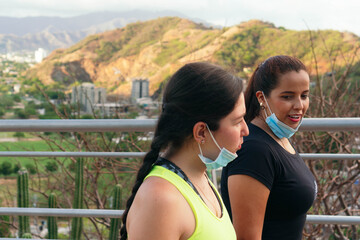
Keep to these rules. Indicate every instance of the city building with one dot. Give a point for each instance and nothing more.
(40, 54)
(87, 95)
(140, 89)
(112, 108)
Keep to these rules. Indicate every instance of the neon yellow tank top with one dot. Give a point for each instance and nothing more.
(208, 226)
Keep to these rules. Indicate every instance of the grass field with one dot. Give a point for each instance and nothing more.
(24, 145)
(27, 144)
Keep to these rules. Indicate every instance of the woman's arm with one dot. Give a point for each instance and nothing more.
(160, 212)
(248, 199)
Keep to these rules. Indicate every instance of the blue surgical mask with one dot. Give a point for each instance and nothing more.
(224, 157)
(280, 129)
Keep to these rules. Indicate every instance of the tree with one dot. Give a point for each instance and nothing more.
(31, 168)
(20, 113)
(6, 101)
(4, 225)
(336, 94)
(19, 135)
(6, 168)
(51, 166)
(16, 168)
(2, 112)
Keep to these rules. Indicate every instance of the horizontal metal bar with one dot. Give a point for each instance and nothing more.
(111, 125)
(73, 154)
(328, 219)
(305, 156)
(330, 124)
(60, 212)
(55, 212)
(75, 125)
(329, 156)
(24, 238)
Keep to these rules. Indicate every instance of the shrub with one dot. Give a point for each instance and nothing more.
(51, 166)
(6, 168)
(5, 226)
(31, 168)
(19, 135)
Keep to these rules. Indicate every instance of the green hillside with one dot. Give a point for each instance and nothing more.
(156, 48)
(258, 40)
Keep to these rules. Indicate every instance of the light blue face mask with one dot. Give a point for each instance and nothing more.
(224, 157)
(280, 129)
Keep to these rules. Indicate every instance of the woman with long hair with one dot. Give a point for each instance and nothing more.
(200, 128)
(268, 188)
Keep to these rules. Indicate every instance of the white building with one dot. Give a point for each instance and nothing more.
(40, 54)
(17, 88)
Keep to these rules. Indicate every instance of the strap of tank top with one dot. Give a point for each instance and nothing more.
(174, 168)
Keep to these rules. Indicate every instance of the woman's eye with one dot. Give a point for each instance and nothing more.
(239, 122)
(304, 96)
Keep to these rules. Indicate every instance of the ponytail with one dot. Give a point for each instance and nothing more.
(251, 102)
(144, 170)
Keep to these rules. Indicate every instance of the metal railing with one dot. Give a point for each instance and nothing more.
(52, 212)
(113, 125)
(130, 125)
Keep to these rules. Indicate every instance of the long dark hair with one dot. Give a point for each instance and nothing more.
(265, 78)
(196, 92)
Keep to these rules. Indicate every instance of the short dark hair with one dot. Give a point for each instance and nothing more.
(265, 78)
(197, 92)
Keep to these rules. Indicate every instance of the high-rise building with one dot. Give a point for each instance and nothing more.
(140, 89)
(87, 95)
(40, 54)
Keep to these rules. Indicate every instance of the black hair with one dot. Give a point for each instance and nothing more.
(265, 78)
(198, 91)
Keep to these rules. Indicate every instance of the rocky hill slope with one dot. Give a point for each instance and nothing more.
(155, 49)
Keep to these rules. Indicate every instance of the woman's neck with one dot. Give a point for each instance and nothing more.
(259, 121)
(188, 160)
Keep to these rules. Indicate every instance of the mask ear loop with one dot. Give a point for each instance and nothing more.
(213, 137)
(267, 105)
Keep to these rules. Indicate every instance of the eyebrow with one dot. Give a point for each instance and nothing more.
(241, 116)
(290, 92)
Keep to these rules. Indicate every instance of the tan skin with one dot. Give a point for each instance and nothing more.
(159, 210)
(248, 197)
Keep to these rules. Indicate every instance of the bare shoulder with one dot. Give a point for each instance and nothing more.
(159, 199)
(158, 189)
(248, 197)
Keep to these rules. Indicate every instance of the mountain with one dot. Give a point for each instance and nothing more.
(44, 39)
(30, 33)
(154, 49)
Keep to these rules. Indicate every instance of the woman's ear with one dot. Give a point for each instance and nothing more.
(260, 97)
(199, 130)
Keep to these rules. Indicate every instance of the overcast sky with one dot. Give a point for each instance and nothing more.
(343, 15)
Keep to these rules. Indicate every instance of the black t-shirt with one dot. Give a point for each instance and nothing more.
(292, 186)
